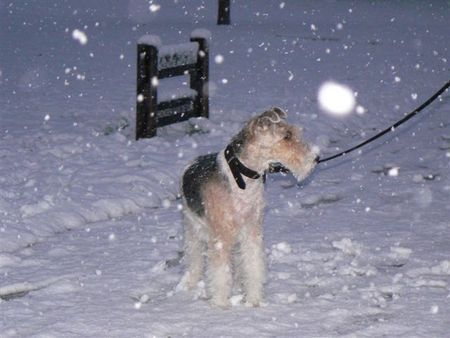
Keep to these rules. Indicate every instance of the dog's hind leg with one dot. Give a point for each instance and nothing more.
(219, 272)
(193, 249)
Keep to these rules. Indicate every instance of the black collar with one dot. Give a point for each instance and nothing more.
(238, 168)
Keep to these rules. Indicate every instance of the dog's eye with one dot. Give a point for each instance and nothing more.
(288, 135)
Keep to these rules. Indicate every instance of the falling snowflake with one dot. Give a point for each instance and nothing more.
(360, 110)
(219, 59)
(393, 171)
(291, 75)
(154, 8)
(336, 99)
(80, 36)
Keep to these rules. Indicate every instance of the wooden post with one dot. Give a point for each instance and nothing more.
(224, 12)
(200, 76)
(147, 91)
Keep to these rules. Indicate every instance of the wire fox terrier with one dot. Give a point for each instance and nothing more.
(224, 204)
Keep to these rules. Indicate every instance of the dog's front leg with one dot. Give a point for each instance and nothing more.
(253, 263)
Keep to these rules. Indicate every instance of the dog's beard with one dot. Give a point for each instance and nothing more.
(305, 169)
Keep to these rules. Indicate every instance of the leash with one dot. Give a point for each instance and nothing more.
(238, 168)
(392, 127)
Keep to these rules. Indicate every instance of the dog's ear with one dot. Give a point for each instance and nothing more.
(280, 112)
(268, 120)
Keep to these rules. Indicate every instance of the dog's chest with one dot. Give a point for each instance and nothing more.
(249, 203)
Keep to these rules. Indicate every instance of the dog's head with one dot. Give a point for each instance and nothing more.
(273, 140)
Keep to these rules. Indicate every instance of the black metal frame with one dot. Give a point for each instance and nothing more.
(148, 111)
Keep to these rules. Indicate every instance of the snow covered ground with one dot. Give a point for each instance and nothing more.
(90, 227)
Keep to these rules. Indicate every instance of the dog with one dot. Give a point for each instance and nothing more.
(223, 204)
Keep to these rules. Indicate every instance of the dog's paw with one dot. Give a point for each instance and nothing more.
(253, 300)
(184, 284)
(189, 282)
(221, 302)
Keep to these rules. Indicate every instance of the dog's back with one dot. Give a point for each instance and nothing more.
(202, 171)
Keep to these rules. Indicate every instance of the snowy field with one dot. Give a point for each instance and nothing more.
(91, 236)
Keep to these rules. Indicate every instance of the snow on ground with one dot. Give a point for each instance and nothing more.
(90, 227)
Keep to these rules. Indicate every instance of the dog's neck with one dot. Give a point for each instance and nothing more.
(238, 168)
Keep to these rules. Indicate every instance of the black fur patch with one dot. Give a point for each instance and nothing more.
(204, 169)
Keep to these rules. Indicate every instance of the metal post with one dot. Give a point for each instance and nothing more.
(200, 77)
(147, 91)
(224, 12)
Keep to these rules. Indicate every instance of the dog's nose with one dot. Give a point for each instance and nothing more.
(317, 159)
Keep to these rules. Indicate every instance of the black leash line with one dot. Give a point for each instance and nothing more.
(392, 127)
